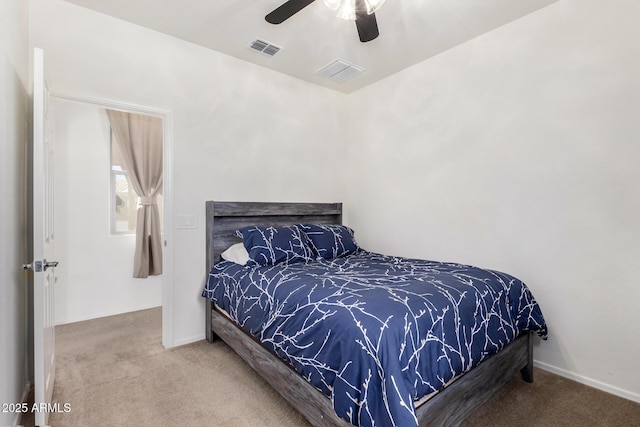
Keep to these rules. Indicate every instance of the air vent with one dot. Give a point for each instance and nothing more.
(339, 70)
(265, 47)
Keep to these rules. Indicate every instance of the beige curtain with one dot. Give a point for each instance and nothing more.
(139, 140)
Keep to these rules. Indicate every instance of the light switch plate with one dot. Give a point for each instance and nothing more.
(186, 222)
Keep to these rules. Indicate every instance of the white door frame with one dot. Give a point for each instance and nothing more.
(167, 198)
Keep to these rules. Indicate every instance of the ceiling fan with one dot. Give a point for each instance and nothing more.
(362, 11)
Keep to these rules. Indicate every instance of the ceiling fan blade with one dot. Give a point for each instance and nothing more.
(367, 26)
(286, 11)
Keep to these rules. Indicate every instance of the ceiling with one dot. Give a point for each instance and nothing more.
(410, 31)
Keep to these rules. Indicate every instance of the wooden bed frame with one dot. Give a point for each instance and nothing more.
(448, 407)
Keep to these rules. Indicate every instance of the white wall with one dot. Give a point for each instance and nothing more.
(95, 271)
(241, 132)
(13, 248)
(519, 151)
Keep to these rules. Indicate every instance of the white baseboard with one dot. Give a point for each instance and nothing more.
(105, 314)
(608, 388)
(185, 341)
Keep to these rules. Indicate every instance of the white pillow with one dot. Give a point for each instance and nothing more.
(236, 253)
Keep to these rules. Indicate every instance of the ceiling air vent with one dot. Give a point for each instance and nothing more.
(339, 70)
(265, 47)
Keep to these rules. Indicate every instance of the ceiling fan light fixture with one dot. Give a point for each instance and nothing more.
(360, 11)
(347, 8)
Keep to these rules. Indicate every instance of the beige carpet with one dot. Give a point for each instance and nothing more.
(113, 371)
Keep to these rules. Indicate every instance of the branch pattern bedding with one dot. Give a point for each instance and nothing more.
(375, 333)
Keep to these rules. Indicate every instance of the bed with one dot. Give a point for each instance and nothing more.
(454, 399)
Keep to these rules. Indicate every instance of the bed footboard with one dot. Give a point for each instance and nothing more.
(304, 397)
(449, 407)
(456, 402)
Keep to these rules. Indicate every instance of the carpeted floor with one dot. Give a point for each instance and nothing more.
(113, 371)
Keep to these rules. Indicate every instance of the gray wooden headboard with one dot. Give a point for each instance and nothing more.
(224, 218)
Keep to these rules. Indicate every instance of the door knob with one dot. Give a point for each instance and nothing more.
(35, 266)
(38, 266)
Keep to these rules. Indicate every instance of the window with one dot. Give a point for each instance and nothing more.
(124, 200)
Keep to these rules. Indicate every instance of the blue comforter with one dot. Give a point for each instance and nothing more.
(375, 333)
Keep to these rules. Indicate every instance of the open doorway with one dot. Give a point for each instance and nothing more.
(95, 277)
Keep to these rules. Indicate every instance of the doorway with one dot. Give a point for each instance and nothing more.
(96, 261)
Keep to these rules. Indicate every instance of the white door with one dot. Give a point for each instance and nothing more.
(43, 263)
